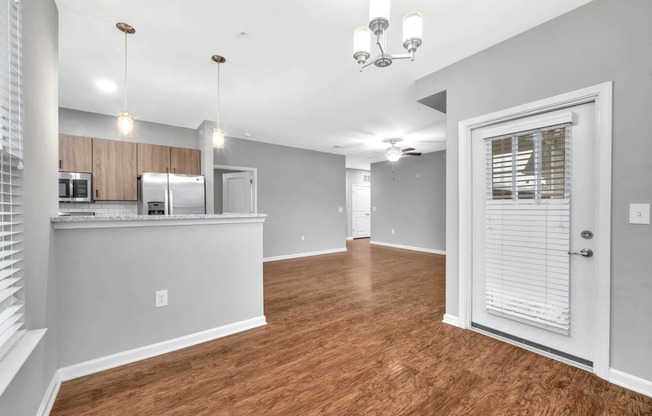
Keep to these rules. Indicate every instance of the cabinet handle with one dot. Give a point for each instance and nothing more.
(97, 193)
(60, 164)
(175, 170)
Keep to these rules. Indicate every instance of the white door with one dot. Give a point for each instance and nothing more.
(237, 192)
(534, 203)
(361, 205)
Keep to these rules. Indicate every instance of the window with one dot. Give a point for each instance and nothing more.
(11, 200)
(527, 213)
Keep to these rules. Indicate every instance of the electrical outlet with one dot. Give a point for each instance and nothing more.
(303, 238)
(341, 209)
(418, 175)
(374, 209)
(393, 231)
(161, 298)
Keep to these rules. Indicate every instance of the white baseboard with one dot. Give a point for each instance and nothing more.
(628, 381)
(349, 238)
(50, 396)
(425, 250)
(451, 320)
(148, 351)
(308, 254)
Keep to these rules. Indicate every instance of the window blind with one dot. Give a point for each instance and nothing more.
(527, 227)
(11, 178)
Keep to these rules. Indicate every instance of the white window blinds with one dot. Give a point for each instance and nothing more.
(11, 200)
(527, 227)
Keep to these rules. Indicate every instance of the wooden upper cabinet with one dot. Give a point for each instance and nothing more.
(75, 154)
(114, 170)
(153, 158)
(186, 161)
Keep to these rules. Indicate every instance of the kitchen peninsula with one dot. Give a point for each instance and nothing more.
(110, 268)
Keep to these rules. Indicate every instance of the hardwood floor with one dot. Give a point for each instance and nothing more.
(350, 334)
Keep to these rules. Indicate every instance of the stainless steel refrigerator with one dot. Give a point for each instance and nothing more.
(171, 194)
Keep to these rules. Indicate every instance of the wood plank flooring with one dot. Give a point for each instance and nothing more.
(350, 334)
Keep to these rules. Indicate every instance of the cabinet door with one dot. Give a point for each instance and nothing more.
(186, 161)
(75, 154)
(153, 158)
(114, 170)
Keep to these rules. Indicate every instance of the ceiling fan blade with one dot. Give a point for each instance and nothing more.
(408, 149)
(412, 154)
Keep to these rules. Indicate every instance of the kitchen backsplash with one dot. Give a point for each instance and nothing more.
(101, 208)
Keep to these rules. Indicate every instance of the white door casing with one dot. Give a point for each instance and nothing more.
(602, 96)
(361, 211)
(524, 245)
(237, 192)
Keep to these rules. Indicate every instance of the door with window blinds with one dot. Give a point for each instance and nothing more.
(11, 155)
(526, 186)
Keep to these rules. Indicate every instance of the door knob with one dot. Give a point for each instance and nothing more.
(585, 252)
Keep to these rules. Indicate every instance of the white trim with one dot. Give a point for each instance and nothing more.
(11, 363)
(241, 169)
(126, 357)
(602, 95)
(307, 254)
(530, 123)
(50, 396)
(451, 320)
(349, 238)
(628, 381)
(403, 247)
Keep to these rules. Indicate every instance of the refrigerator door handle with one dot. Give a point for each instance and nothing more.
(171, 205)
(166, 205)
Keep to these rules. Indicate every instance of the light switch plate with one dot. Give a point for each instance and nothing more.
(639, 213)
(374, 209)
(341, 209)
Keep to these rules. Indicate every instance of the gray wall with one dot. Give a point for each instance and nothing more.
(353, 177)
(82, 123)
(108, 277)
(602, 41)
(217, 188)
(40, 97)
(415, 207)
(301, 190)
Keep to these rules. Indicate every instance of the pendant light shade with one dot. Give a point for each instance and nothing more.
(362, 44)
(218, 131)
(218, 138)
(126, 124)
(125, 118)
(379, 9)
(412, 31)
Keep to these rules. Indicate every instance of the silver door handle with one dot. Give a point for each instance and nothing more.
(585, 252)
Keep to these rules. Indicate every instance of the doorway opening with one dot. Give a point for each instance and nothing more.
(235, 189)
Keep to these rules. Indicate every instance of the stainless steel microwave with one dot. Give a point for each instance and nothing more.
(74, 187)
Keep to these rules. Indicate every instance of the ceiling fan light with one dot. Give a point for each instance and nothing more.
(393, 154)
(218, 138)
(126, 124)
(412, 31)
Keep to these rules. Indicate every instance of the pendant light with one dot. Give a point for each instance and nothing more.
(218, 132)
(125, 118)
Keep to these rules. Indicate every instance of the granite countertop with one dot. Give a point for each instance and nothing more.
(127, 218)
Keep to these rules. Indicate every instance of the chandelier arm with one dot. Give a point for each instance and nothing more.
(402, 56)
(367, 64)
(380, 44)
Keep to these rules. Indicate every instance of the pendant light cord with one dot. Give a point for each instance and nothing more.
(125, 89)
(218, 95)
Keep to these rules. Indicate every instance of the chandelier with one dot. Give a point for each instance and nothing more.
(378, 25)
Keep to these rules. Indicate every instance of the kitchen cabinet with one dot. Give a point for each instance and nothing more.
(114, 170)
(153, 158)
(75, 154)
(186, 161)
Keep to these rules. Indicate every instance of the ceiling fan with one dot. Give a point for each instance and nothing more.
(394, 152)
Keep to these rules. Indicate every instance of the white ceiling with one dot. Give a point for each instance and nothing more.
(293, 80)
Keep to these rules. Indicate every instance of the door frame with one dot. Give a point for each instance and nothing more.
(360, 185)
(602, 96)
(244, 169)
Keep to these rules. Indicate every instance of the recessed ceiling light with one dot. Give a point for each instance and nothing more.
(248, 134)
(106, 86)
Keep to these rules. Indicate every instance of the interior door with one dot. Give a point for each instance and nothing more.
(237, 192)
(361, 212)
(534, 205)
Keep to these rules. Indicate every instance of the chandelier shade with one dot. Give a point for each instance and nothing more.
(125, 118)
